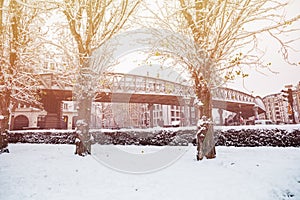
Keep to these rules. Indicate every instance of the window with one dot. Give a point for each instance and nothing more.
(172, 113)
(65, 106)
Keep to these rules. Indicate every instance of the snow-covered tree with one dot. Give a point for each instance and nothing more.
(213, 40)
(19, 28)
(91, 24)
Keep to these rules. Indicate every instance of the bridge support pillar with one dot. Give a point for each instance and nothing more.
(150, 107)
(255, 109)
(220, 111)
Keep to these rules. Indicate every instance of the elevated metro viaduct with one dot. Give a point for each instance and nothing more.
(127, 88)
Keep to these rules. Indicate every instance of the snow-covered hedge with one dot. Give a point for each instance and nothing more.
(45, 136)
(146, 137)
(228, 137)
(258, 137)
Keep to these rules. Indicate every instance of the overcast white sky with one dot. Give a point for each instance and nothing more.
(262, 82)
(269, 83)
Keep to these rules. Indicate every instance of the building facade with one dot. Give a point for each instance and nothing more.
(109, 115)
(278, 108)
(26, 117)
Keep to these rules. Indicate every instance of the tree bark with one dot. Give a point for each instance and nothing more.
(205, 134)
(83, 140)
(84, 97)
(6, 97)
(4, 126)
(83, 135)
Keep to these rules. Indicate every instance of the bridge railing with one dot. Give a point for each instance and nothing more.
(117, 82)
(51, 81)
(232, 95)
(129, 83)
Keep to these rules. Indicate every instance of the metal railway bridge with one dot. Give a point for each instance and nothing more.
(129, 88)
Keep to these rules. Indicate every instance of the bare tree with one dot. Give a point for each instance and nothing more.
(92, 23)
(19, 25)
(214, 40)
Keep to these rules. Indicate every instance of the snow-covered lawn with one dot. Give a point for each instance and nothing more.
(46, 172)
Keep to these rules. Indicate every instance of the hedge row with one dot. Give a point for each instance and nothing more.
(238, 138)
(42, 137)
(259, 137)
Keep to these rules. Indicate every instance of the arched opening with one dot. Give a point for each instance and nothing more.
(20, 122)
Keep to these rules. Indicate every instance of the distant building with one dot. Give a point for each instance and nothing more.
(276, 108)
(26, 117)
(69, 114)
(186, 115)
(109, 115)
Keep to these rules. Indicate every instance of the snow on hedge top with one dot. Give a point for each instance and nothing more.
(287, 127)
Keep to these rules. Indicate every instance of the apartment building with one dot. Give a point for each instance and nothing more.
(276, 108)
(119, 115)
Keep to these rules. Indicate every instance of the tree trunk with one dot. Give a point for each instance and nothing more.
(209, 142)
(4, 126)
(84, 97)
(205, 134)
(5, 101)
(83, 136)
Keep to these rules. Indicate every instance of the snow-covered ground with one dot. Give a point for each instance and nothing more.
(46, 172)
